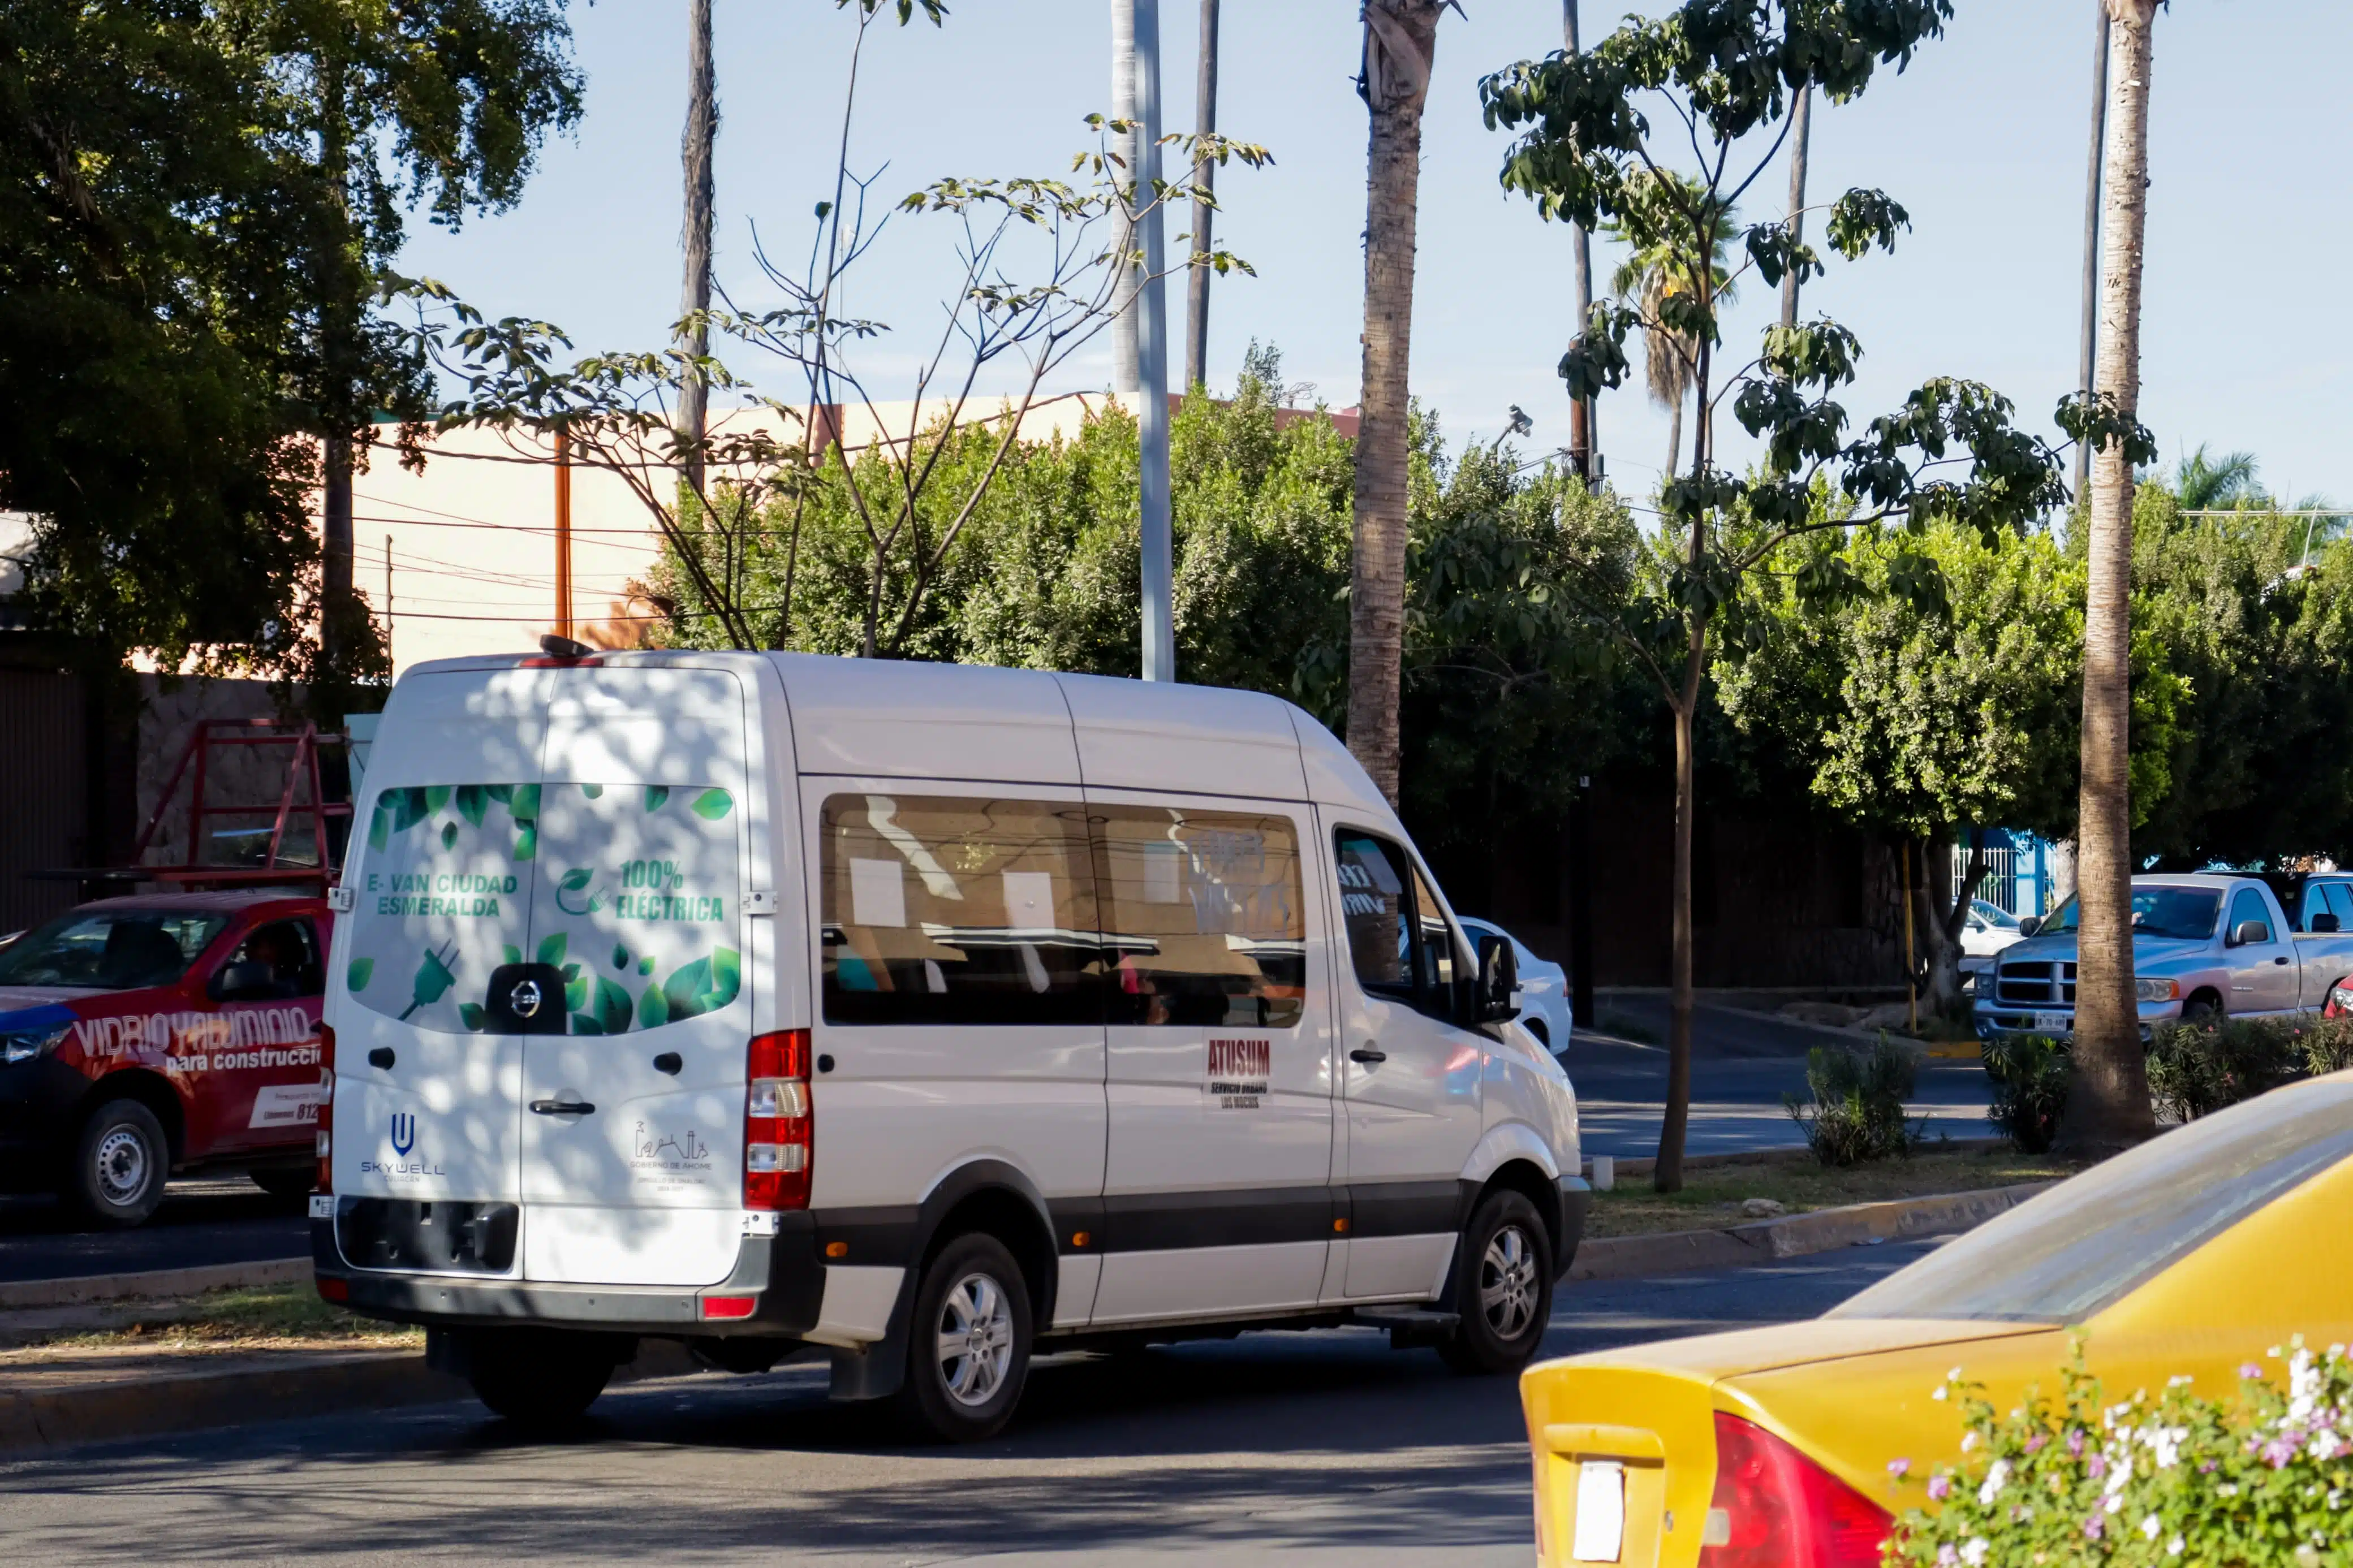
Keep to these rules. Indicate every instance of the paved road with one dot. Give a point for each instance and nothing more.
(1306, 1450)
(1736, 1100)
(200, 1222)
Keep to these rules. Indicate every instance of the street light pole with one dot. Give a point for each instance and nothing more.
(1152, 358)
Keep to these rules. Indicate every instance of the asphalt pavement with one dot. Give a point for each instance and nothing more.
(1306, 1450)
(199, 1222)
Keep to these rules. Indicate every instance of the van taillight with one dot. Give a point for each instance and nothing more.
(325, 1180)
(1774, 1508)
(779, 1123)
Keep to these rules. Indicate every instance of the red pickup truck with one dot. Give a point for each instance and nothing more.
(143, 1036)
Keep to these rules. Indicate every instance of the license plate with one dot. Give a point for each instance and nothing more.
(1601, 1511)
(2053, 1023)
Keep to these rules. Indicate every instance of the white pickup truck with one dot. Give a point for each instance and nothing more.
(2203, 946)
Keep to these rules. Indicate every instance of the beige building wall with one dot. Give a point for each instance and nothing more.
(472, 542)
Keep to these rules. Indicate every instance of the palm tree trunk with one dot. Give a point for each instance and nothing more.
(695, 154)
(1125, 376)
(1581, 438)
(1801, 120)
(334, 287)
(1196, 285)
(2109, 1106)
(1675, 438)
(2091, 336)
(1400, 40)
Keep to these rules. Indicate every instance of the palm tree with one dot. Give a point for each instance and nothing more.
(1401, 41)
(2107, 1106)
(2089, 337)
(694, 153)
(1205, 173)
(2207, 484)
(1649, 275)
(1801, 121)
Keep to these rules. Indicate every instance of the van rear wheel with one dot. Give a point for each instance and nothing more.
(120, 1163)
(968, 1353)
(543, 1380)
(1503, 1288)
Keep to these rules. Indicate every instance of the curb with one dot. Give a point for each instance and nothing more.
(1643, 1164)
(69, 1293)
(148, 1404)
(1795, 1236)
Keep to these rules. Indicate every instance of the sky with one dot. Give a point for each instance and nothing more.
(1982, 140)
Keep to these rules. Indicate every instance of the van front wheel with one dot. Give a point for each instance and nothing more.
(1503, 1288)
(540, 1379)
(970, 1336)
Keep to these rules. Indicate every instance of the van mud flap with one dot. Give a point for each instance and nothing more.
(879, 1370)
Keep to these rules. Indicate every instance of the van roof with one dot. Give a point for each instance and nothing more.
(890, 717)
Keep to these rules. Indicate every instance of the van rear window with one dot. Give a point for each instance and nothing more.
(955, 910)
(629, 893)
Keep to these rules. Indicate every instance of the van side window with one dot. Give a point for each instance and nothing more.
(941, 909)
(1377, 912)
(1202, 914)
(1437, 943)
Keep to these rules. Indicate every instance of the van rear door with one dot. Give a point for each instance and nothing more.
(633, 1072)
(427, 1105)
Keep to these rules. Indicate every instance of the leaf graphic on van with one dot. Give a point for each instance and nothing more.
(613, 1006)
(470, 1015)
(575, 988)
(585, 1024)
(646, 964)
(436, 797)
(592, 791)
(408, 807)
(655, 796)
(472, 801)
(514, 953)
(705, 985)
(524, 804)
(503, 793)
(379, 825)
(448, 836)
(361, 971)
(653, 1008)
(620, 956)
(550, 947)
(712, 804)
(527, 844)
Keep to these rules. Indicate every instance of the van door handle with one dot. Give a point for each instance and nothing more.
(381, 1057)
(669, 1062)
(2279, 961)
(563, 1107)
(1368, 1054)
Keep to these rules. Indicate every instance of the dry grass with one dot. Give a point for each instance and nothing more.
(275, 1317)
(1712, 1195)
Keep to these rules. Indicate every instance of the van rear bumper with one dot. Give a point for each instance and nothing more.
(782, 1273)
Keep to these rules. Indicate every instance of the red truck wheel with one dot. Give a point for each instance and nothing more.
(120, 1163)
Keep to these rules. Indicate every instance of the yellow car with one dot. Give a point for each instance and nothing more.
(1796, 1445)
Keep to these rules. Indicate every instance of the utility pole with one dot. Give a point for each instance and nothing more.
(1124, 349)
(1800, 130)
(1582, 439)
(1204, 171)
(695, 154)
(387, 599)
(562, 533)
(1152, 358)
(2089, 342)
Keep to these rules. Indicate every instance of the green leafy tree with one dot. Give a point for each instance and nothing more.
(1587, 152)
(148, 305)
(391, 107)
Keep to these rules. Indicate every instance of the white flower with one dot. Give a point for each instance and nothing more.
(1954, 1376)
(1968, 1441)
(1997, 1478)
(1938, 1394)
(1974, 1553)
(2148, 1527)
(2180, 1380)
(2173, 1548)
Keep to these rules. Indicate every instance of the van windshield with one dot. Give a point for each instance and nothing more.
(2187, 913)
(2083, 1245)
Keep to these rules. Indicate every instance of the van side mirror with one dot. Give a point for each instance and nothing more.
(2250, 933)
(244, 981)
(1499, 978)
(2029, 925)
(2325, 925)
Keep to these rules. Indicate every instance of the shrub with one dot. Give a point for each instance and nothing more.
(2263, 1479)
(1857, 1110)
(2030, 1074)
(2195, 1069)
(2327, 1045)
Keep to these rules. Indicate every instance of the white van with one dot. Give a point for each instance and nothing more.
(929, 1013)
